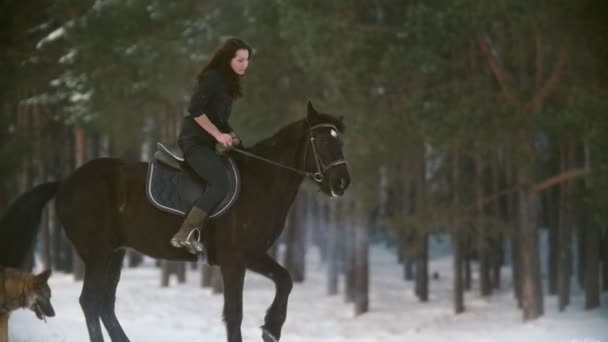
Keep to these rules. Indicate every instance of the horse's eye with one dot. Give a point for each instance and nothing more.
(334, 133)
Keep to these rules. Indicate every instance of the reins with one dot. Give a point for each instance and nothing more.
(249, 154)
(321, 169)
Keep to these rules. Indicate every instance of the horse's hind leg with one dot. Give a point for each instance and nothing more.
(277, 313)
(92, 295)
(108, 314)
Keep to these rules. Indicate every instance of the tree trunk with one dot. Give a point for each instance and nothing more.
(422, 253)
(217, 281)
(165, 273)
(318, 226)
(592, 249)
(497, 251)
(172, 267)
(333, 254)
(552, 196)
(581, 255)
(349, 254)
(361, 263)
(532, 295)
(483, 240)
(422, 270)
(604, 250)
(206, 275)
(511, 217)
(565, 237)
(466, 249)
(408, 268)
(516, 265)
(458, 290)
(592, 267)
(80, 150)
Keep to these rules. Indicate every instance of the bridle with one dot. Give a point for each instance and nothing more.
(322, 168)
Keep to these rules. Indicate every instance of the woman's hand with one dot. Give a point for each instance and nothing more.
(236, 141)
(224, 139)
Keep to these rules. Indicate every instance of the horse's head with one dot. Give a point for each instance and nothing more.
(324, 157)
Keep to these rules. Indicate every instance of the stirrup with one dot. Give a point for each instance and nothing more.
(198, 233)
(194, 246)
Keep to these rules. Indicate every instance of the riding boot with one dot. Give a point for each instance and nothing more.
(194, 224)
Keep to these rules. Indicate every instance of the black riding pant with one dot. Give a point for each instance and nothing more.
(208, 164)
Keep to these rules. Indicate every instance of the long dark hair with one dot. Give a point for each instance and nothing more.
(220, 60)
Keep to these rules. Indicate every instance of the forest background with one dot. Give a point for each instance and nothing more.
(482, 120)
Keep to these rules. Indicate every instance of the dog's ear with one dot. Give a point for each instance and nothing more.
(43, 277)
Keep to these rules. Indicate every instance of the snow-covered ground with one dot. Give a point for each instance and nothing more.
(187, 312)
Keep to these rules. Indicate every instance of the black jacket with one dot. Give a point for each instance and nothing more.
(211, 97)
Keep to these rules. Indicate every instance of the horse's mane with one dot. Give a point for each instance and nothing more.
(290, 133)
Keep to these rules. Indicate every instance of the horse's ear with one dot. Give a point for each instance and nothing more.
(312, 112)
(43, 277)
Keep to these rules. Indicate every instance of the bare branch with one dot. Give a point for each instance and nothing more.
(551, 82)
(499, 71)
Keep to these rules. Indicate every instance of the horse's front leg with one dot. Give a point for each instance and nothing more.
(234, 277)
(277, 312)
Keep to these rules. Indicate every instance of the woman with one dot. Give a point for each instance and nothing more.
(219, 83)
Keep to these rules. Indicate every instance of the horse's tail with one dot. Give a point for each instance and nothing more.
(20, 223)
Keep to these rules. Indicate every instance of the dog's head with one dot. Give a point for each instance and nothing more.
(38, 298)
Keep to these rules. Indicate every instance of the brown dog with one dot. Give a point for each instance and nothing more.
(23, 290)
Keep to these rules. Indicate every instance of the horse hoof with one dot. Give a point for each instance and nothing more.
(176, 243)
(268, 337)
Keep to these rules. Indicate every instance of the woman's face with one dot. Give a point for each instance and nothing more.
(240, 61)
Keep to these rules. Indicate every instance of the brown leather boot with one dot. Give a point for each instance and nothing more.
(189, 235)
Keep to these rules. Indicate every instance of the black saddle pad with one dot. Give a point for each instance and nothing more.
(175, 191)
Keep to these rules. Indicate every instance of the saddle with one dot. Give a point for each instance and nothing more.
(172, 186)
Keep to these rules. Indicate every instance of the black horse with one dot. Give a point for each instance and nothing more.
(103, 208)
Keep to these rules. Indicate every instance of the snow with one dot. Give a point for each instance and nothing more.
(54, 35)
(186, 312)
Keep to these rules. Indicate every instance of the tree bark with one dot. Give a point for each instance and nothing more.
(80, 145)
(206, 275)
(497, 251)
(581, 255)
(349, 254)
(165, 273)
(565, 237)
(172, 267)
(422, 270)
(361, 263)
(531, 286)
(592, 248)
(552, 198)
(604, 251)
(333, 254)
(483, 240)
(466, 247)
(511, 217)
(592, 267)
(217, 281)
(458, 290)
